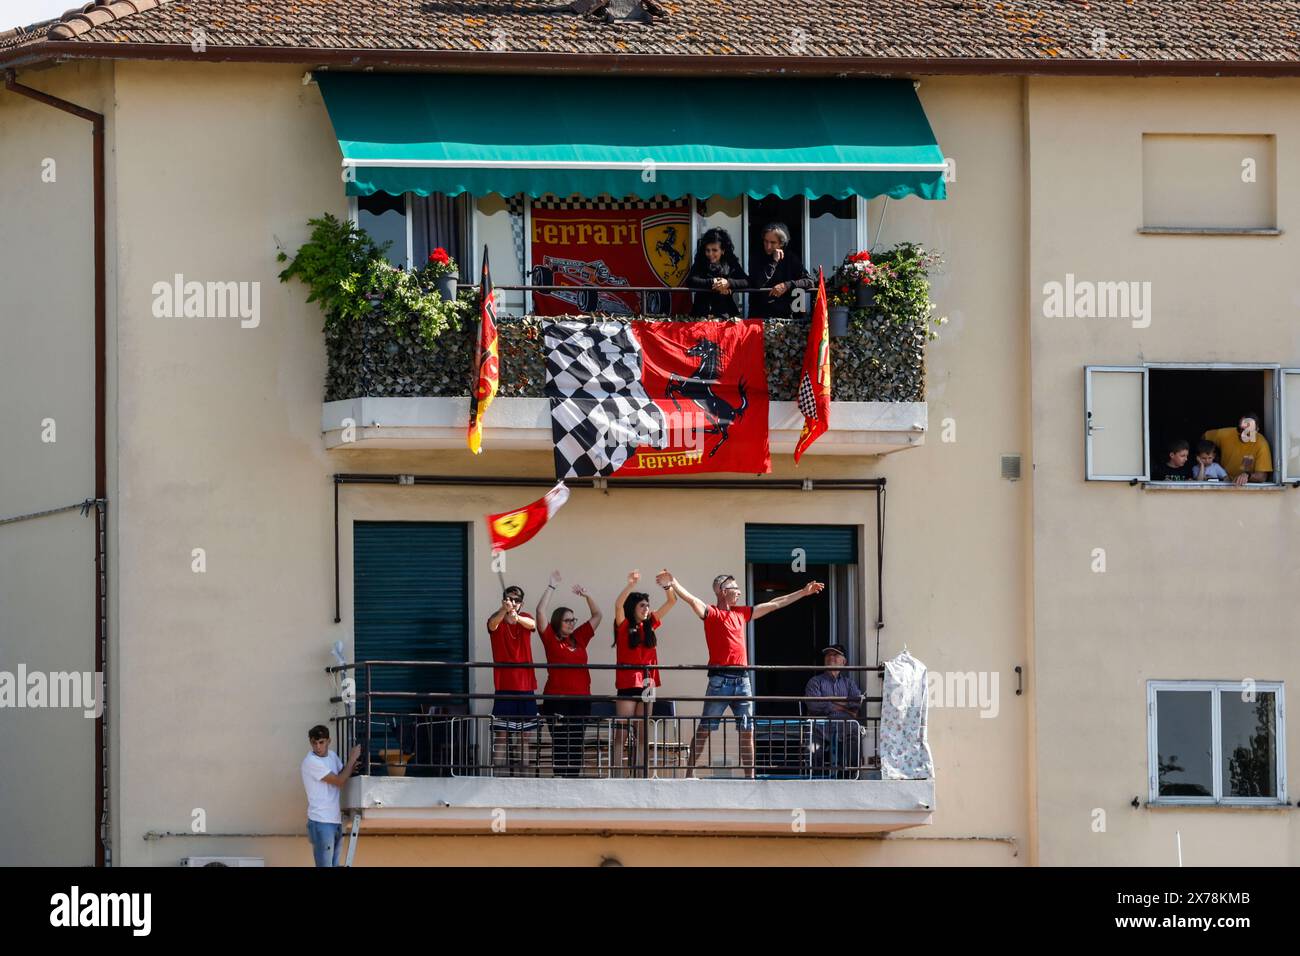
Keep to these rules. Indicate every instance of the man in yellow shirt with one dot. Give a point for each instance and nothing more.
(1243, 451)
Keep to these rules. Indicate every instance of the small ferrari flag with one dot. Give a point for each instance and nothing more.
(513, 528)
(487, 366)
(815, 378)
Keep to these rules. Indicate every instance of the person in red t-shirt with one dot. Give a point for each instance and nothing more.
(515, 705)
(724, 631)
(634, 637)
(566, 643)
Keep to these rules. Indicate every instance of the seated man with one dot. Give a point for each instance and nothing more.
(841, 700)
(1243, 451)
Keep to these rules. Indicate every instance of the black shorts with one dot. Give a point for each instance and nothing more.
(631, 692)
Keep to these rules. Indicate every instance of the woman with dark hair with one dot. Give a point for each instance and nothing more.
(634, 638)
(716, 272)
(566, 642)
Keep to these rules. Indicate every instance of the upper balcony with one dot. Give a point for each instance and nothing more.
(389, 388)
(437, 761)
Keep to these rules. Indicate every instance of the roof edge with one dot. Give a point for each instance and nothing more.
(651, 64)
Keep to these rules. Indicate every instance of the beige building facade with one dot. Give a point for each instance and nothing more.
(221, 492)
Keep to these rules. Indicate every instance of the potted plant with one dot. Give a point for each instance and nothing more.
(841, 300)
(442, 269)
(859, 272)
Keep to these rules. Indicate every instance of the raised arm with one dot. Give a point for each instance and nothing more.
(632, 578)
(340, 778)
(594, 617)
(670, 598)
(785, 600)
(665, 579)
(544, 601)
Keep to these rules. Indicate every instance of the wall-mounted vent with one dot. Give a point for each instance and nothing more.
(1011, 467)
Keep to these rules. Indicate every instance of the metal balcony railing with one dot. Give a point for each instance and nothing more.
(452, 734)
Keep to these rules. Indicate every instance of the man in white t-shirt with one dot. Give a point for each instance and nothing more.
(323, 776)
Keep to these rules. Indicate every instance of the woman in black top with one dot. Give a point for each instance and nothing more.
(716, 272)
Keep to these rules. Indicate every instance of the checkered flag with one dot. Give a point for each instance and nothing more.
(600, 412)
(807, 398)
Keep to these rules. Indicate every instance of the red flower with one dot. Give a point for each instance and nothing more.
(844, 288)
(440, 256)
(863, 256)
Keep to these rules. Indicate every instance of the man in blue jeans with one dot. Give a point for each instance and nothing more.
(724, 631)
(323, 776)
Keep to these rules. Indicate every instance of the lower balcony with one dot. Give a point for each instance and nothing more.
(598, 766)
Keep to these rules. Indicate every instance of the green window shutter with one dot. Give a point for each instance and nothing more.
(410, 600)
(821, 543)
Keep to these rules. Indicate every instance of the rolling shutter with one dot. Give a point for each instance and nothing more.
(410, 604)
(821, 543)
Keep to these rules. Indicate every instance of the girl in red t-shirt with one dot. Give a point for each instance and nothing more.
(634, 638)
(566, 643)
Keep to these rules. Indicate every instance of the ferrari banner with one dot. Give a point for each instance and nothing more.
(657, 398)
(613, 246)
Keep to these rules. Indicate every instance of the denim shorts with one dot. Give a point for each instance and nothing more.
(728, 687)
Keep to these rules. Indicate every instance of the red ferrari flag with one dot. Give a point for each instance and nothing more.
(815, 378)
(487, 366)
(513, 528)
(652, 398)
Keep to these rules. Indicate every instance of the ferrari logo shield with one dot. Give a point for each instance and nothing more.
(665, 239)
(507, 526)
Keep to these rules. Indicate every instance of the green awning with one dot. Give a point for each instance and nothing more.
(632, 136)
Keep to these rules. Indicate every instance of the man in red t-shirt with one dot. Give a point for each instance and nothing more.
(515, 706)
(725, 622)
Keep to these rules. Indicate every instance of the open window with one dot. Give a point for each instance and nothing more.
(1134, 414)
(781, 558)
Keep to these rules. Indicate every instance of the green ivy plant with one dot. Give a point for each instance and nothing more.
(350, 276)
(902, 288)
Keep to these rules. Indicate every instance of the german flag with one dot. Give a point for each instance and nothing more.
(487, 364)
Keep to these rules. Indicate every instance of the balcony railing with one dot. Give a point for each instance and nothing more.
(439, 734)
(880, 359)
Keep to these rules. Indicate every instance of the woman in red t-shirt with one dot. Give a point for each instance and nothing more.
(566, 643)
(634, 637)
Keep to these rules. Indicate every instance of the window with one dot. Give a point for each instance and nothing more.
(797, 634)
(822, 230)
(385, 218)
(1209, 183)
(1134, 413)
(1216, 742)
(410, 587)
(416, 225)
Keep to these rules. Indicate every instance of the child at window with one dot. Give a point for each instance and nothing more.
(1176, 467)
(1206, 468)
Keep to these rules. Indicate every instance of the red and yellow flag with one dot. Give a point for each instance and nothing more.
(487, 363)
(815, 379)
(510, 529)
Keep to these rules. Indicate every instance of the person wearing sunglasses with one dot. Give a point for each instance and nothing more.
(565, 642)
(725, 622)
(514, 706)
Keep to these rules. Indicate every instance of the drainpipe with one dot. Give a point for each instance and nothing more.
(101, 455)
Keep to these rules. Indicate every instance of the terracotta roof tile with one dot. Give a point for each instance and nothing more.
(1153, 30)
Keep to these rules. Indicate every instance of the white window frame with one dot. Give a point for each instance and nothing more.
(860, 223)
(1215, 688)
(1088, 426)
(1282, 464)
